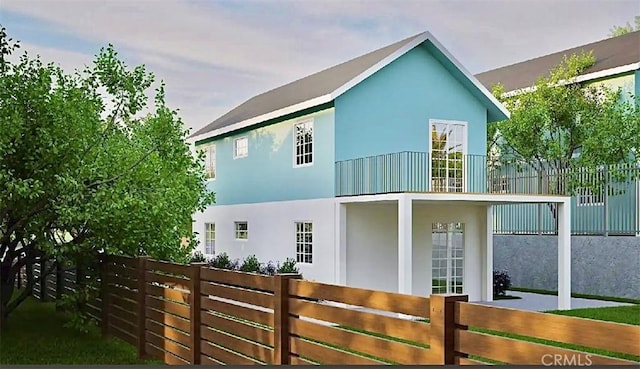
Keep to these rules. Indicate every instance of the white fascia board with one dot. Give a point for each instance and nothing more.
(490, 198)
(264, 117)
(581, 78)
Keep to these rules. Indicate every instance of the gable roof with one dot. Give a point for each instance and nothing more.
(326, 85)
(613, 55)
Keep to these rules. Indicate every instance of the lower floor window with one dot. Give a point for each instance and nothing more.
(242, 231)
(447, 259)
(304, 242)
(209, 238)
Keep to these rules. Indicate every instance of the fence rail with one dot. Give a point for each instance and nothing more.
(193, 314)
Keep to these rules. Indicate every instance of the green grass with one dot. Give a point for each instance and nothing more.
(578, 295)
(36, 335)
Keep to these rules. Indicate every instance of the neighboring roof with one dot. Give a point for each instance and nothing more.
(611, 53)
(325, 86)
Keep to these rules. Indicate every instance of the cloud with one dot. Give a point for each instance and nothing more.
(214, 55)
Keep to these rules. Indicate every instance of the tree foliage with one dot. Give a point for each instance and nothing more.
(89, 166)
(562, 124)
(627, 28)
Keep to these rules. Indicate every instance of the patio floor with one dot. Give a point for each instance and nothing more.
(538, 302)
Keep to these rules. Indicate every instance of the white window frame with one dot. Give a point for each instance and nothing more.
(210, 166)
(449, 230)
(309, 122)
(300, 245)
(235, 147)
(465, 145)
(209, 238)
(238, 232)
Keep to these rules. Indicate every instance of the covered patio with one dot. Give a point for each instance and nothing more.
(423, 243)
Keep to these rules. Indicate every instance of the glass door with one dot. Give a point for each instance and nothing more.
(447, 258)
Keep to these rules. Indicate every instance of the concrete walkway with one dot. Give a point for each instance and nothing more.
(538, 302)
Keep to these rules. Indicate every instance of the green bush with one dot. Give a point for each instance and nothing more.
(198, 257)
(289, 266)
(501, 282)
(251, 264)
(222, 261)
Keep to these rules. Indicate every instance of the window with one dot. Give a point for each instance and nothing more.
(210, 160)
(240, 147)
(303, 145)
(209, 238)
(304, 242)
(448, 147)
(242, 231)
(500, 185)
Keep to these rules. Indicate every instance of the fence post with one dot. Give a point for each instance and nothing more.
(59, 284)
(142, 281)
(19, 276)
(195, 309)
(281, 318)
(43, 281)
(605, 201)
(104, 294)
(442, 320)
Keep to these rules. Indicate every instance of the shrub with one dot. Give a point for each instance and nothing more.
(501, 282)
(221, 261)
(289, 266)
(198, 257)
(268, 268)
(251, 264)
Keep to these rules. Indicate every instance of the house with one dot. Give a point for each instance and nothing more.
(617, 65)
(371, 173)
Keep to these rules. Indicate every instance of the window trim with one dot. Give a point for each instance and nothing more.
(207, 232)
(311, 254)
(208, 147)
(592, 198)
(235, 147)
(235, 230)
(313, 146)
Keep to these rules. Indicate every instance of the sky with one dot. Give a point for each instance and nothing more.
(213, 55)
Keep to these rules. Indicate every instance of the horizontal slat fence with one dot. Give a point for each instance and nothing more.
(193, 314)
(519, 337)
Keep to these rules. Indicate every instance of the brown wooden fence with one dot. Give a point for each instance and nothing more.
(193, 314)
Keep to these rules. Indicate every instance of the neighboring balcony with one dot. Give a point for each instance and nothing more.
(454, 172)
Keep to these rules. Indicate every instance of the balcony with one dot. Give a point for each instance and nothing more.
(422, 172)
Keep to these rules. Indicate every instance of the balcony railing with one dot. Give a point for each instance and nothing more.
(422, 172)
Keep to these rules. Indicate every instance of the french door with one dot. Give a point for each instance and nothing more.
(447, 258)
(448, 145)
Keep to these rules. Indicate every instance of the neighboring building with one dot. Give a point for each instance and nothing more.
(617, 65)
(371, 173)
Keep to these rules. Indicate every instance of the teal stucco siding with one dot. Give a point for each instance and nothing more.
(389, 111)
(267, 173)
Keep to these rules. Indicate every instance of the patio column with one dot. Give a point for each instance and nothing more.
(341, 244)
(487, 263)
(404, 244)
(564, 256)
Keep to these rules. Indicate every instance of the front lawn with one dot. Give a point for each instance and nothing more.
(621, 314)
(36, 335)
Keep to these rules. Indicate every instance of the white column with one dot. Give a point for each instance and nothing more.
(487, 263)
(404, 244)
(341, 243)
(564, 255)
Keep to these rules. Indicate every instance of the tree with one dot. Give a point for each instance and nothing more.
(627, 28)
(562, 126)
(88, 167)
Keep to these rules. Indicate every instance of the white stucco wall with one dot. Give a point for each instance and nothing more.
(272, 232)
(372, 238)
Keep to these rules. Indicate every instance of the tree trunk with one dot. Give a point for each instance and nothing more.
(7, 285)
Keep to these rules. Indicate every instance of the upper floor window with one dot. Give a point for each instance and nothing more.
(587, 197)
(209, 238)
(209, 160)
(242, 230)
(303, 143)
(240, 147)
